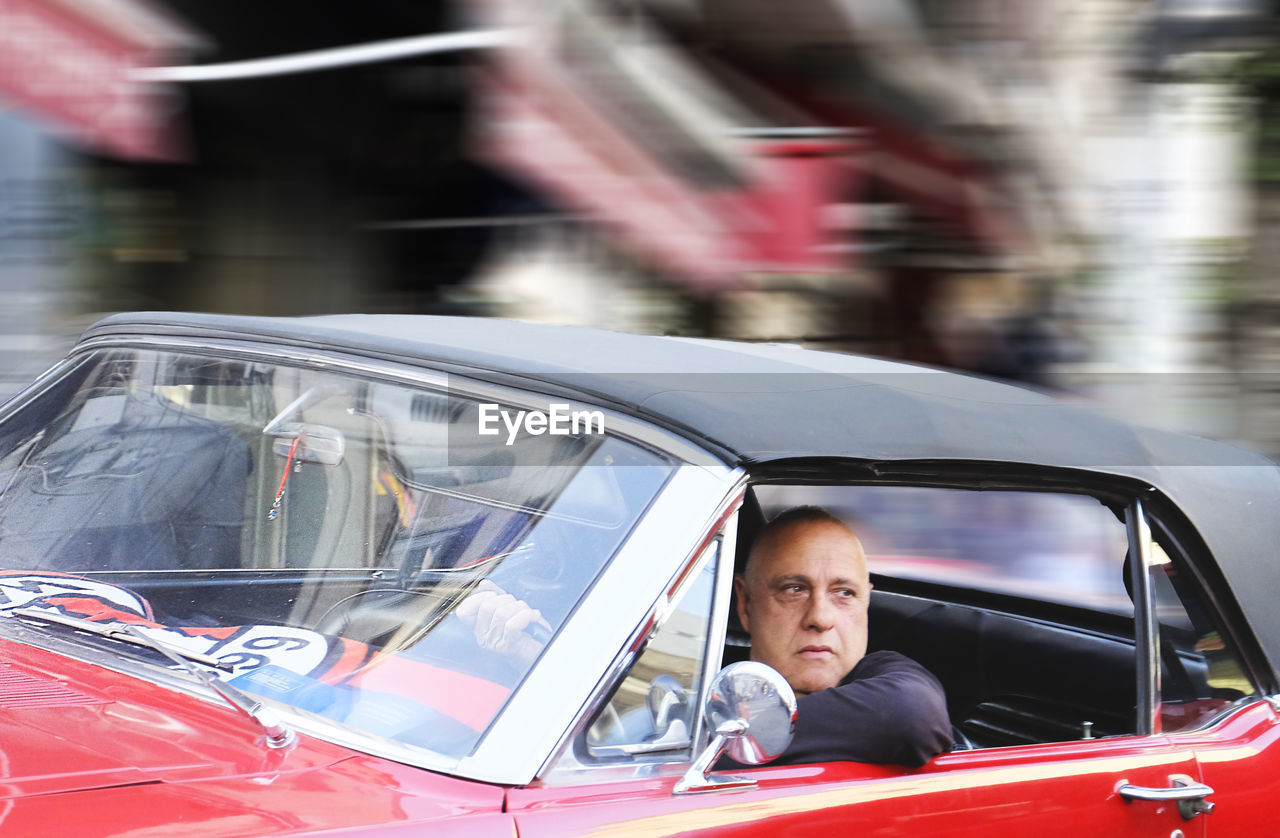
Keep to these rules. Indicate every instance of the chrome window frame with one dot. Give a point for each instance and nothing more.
(1146, 626)
(583, 662)
(1148, 648)
(562, 767)
(427, 375)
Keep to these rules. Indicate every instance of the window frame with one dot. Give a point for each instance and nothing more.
(1157, 520)
(564, 767)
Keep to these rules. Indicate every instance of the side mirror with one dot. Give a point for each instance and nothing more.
(752, 711)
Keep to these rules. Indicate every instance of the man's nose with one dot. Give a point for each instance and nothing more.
(819, 616)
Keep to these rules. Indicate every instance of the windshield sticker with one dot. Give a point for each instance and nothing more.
(84, 596)
(331, 676)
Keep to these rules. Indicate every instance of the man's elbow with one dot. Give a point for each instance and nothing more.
(928, 732)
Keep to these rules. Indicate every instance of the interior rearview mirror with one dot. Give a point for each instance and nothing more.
(309, 443)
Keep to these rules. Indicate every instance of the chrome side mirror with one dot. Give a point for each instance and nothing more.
(752, 711)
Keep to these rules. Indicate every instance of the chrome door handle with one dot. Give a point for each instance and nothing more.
(1186, 792)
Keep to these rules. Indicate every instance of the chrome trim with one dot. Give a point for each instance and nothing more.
(618, 424)
(531, 731)
(699, 779)
(720, 530)
(1146, 628)
(1187, 790)
(249, 348)
(563, 760)
(720, 602)
(41, 383)
(1183, 790)
(664, 744)
(753, 711)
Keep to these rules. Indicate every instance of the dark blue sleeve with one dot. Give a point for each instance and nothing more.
(888, 710)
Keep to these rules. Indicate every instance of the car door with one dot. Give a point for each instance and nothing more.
(1210, 706)
(1122, 783)
(1058, 790)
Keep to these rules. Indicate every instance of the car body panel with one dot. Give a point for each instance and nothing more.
(152, 757)
(229, 808)
(1240, 759)
(1059, 790)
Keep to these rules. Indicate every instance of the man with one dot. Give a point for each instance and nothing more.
(803, 598)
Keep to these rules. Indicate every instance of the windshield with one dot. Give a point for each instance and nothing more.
(386, 557)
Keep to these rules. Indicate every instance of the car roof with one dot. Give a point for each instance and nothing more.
(755, 405)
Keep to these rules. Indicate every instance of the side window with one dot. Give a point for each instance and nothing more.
(1018, 602)
(1201, 673)
(1047, 546)
(654, 709)
(1014, 600)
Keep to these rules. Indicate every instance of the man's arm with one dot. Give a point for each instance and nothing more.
(888, 710)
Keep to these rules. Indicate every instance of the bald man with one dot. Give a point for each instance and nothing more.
(803, 598)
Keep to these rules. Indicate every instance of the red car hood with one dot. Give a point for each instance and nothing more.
(88, 751)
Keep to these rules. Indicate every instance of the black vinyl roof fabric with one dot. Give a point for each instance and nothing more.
(756, 404)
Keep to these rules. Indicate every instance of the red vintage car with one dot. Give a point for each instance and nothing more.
(236, 557)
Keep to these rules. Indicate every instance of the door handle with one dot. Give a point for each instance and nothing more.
(1186, 792)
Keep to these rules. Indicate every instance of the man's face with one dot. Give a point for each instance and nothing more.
(804, 602)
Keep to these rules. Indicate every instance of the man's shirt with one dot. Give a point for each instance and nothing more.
(888, 710)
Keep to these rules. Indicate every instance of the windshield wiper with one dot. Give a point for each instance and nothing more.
(117, 631)
(278, 734)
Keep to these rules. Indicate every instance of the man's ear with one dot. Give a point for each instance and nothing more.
(740, 593)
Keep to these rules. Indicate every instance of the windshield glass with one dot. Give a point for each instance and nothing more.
(387, 557)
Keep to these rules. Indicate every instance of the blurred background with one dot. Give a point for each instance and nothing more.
(1082, 195)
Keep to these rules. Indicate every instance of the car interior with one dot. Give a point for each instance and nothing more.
(1021, 671)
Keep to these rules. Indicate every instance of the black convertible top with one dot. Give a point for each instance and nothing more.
(757, 404)
(752, 403)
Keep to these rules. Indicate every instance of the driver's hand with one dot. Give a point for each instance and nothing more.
(499, 620)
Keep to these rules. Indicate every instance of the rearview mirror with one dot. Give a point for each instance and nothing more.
(752, 711)
(309, 443)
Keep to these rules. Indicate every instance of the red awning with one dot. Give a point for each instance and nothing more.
(67, 65)
(537, 125)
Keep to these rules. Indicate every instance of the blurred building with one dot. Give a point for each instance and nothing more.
(65, 89)
(1047, 191)
(821, 174)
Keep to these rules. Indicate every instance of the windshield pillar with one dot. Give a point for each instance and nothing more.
(1146, 628)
